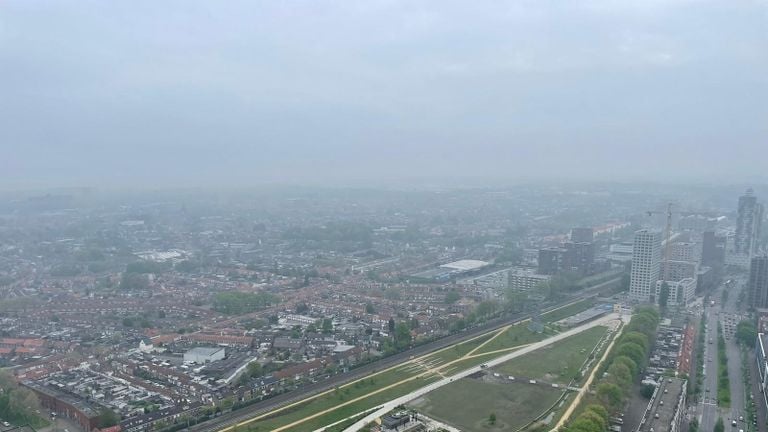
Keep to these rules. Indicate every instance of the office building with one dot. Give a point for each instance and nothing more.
(646, 266)
(679, 270)
(680, 292)
(550, 260)
(526, 280)
(684, 251)
(579, 258)
(748, 224)
(712, 249)
(758, 282)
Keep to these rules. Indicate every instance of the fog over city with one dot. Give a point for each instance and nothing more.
(191, 93)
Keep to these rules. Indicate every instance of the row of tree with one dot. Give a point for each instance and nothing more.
(628, 358)
(17, 404)
(723, 381)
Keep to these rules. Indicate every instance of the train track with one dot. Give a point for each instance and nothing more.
(307, 391)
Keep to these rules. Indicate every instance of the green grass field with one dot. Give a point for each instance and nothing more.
(468, 403)
(516, 335)
(334, 399)
(557, 363)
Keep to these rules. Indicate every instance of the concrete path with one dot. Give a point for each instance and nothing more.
(391, 405)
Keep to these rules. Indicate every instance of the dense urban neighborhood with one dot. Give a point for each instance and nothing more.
(162, 312)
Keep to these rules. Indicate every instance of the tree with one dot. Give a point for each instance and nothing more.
(633, 351)
(254, 369)
(719, 426)
(620, 374)
(610, 395)
(312, 328)
(486, 308)
(585, 424)
(746, 333)
(663, 296)
(302, 308)
(452, 296)
(414, 323)
(134, 281)
(629, 363)
(327, 325)
(647, 390)
(693, 425)
(596, 419)
(636, 337)
(107, 418)
(492, 419)
(599, 410)
(402, 335)
(391, 325)
(369, 309)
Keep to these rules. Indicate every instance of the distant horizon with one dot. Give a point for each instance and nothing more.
(181, 93)
(406, 185)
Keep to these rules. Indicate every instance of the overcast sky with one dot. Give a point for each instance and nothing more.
(188, 93)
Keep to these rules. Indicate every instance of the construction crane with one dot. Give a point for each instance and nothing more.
(667, 235)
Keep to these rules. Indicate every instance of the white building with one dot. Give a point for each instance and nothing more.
(466, 265)
(202, 355)
(295, 319)
(498, 280)
(146, 346)
(680, 293)
(525, 279)
(646, 266)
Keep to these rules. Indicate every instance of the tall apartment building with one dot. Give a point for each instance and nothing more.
(758, 282)
(685, 251)
(551, 260)
(712, 249)
(748, 224)
(646, 266)
(526, 280)
(579, 258)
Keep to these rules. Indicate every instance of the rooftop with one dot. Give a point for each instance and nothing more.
(465, 265)
(204, 351)
(661, 411)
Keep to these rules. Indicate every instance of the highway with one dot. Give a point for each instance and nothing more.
(304, 392)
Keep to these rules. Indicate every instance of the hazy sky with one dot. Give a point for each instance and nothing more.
(176, 93)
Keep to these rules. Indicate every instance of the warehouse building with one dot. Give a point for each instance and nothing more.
(202, 355)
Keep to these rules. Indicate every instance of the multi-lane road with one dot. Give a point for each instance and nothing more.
(709, 410)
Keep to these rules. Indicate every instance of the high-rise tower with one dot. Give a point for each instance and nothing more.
(748, 224)
(758, 282)
(646, 266)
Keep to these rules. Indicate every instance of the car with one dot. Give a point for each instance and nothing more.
(741, 418)
(733, 423)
